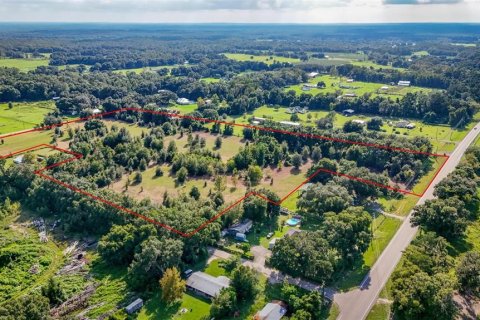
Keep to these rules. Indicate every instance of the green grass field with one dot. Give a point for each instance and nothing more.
(24, 65)
(23, 115)
(342, 58)
(144, 69)
(210, 80)
(380, 311)
(359, 88)
(260, 58)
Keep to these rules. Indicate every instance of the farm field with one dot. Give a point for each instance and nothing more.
(145, 69)
(359, 88)
(341, 58)
(23, 115)
(210, 80)
(24, 65)
(260, 58)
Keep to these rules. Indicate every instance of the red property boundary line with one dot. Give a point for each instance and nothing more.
(76, 156)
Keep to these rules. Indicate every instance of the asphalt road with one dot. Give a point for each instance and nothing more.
(356, 304)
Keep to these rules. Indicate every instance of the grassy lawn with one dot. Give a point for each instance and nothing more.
(380, 311)
(260, 58)
(24, 65)
(190, 308)
(134, 129)
(333, 84)
(210, 80)
(17, 143)
(144, 69)
(384, 229)
(23, 115)
(184, 109)
(214, 269)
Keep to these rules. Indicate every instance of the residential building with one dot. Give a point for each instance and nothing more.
(206, 285)
(241, 227)
(274, 310)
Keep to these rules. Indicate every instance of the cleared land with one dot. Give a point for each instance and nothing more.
(260, 58)
(154, 187)
(359, 88)
(24, 65)
(23, 116)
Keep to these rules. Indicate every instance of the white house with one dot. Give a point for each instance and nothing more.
(96, 111)
(312, 74)
(18, 160)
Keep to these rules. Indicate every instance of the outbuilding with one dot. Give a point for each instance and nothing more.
(206, 285)
(134, 306)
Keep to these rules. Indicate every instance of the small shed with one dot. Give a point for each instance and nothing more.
(361, 122)
(134, 306)
(348, 112)
(290, 123)
(272, 242)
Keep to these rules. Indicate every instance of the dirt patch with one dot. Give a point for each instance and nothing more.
(469, 306)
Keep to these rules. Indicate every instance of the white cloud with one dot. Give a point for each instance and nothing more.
(284, 11)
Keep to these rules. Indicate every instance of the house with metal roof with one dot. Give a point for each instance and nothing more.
(241, 227)
(134, 306)
(207, 285)
(272, 311)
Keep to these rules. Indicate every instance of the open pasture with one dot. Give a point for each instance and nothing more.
(23, 116)
(260, 58)
(359, 88)
(24, 65)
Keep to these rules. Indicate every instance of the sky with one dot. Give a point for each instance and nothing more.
(240, 11)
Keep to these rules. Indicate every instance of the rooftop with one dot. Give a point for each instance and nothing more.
(207, 284)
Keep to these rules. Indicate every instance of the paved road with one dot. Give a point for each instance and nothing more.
(356, 304)
(274, 276)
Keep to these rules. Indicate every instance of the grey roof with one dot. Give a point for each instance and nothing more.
(135, 305)
(272, 311)
(242, 227)
(207, 284)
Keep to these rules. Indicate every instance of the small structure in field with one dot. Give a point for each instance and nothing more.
(404, 83)
(405, 124)
(350, 80)
(258, 120)
(361, 122)
(348, 112)
(384, 88)
(290, 123)
(96, 111)
(207, 285)
(274, 310)
(183, 101)
(312, 74)
(134, 306)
